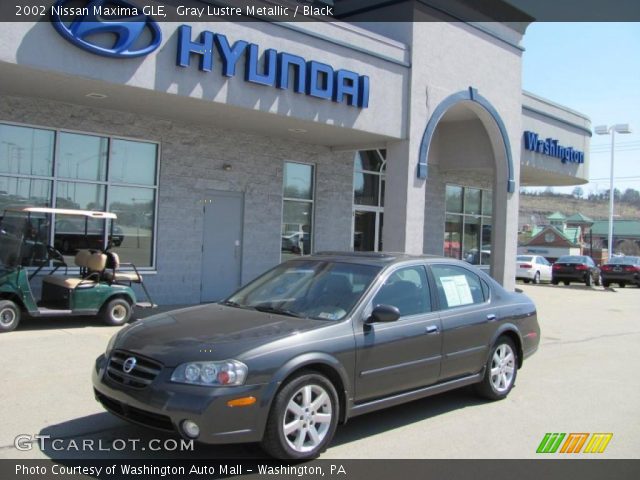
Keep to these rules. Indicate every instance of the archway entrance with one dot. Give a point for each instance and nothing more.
(465, 155)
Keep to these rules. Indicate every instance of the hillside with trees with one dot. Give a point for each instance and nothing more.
(536, 206)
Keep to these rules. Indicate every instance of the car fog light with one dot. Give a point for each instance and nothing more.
(190, 428)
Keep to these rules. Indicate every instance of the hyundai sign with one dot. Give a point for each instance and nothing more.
(137, 34)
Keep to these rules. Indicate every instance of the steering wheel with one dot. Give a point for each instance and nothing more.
(55, 255)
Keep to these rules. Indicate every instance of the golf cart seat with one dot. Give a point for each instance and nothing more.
(111, 273)
(91, 266)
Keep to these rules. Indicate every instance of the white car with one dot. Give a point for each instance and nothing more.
(533, 268)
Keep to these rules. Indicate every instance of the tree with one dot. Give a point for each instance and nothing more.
(577, 192)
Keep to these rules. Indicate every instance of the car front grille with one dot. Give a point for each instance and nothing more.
(136, 415)
(142, 374)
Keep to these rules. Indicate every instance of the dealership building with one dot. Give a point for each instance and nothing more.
(225, 148)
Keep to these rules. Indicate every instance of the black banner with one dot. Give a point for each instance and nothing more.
(325, 10)
(587, 469)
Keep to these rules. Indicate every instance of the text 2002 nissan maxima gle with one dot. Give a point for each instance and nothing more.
(313, 342)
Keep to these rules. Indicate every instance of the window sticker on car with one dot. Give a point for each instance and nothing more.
(327, 315)
(456, 288)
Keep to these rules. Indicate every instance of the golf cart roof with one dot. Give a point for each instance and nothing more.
(63, 211)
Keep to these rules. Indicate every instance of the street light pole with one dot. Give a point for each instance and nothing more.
(611, 195)
(606, 130)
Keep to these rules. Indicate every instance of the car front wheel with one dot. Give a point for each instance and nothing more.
(303, 418)
(536, 278)
(501, 371)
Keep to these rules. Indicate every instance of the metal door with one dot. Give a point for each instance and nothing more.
(221, 245)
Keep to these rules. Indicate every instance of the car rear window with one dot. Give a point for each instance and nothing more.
(624, 261)
(572, 259)
(523, 258)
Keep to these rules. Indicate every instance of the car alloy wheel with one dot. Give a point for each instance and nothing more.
(303, 418)
(307, 418)
(503, 368)
(500, 371)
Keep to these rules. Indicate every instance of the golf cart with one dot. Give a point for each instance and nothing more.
(100, 287)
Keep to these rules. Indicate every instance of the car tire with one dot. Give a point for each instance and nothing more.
(500, 371)
(588, 281)
(622, 284)
(9, 316)
(605, 284)
(554, 282)
(310, 397)
(526, 280)
(536, 278)
(116, 312)
(566, 282)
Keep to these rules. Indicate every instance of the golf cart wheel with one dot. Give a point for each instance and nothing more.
(9, 315)
(303, 418)
(116, 312)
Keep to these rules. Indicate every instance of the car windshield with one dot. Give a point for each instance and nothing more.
(572, 259)
(624, 260)
(307, 288)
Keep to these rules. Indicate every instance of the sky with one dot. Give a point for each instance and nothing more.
(593, 68)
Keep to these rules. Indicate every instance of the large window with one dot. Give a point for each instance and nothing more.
(368, 199)
(60, 169)
(467, 233)
(297, 210)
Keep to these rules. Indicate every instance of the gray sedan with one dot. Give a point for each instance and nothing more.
(313, 342)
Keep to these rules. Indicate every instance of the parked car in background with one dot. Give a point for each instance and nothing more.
(72, 234)
(533, 268)
(621, 270)
(575, 268)
(313, 342)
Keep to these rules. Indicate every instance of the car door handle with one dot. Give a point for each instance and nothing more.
(491, 317)
(431, 329)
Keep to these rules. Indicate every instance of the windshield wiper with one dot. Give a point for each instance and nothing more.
(230, 303)
(277, 311)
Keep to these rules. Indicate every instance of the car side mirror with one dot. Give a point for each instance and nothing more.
(384, 314)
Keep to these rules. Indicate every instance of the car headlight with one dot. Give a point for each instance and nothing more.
(217, 374)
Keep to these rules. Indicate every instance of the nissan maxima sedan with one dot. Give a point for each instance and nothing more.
(314, 342)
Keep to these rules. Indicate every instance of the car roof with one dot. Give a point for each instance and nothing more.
(381, 259)
(62, 211)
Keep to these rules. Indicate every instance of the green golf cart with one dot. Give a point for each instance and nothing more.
(101, 287)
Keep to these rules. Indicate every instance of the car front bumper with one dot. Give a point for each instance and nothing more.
(164, 405)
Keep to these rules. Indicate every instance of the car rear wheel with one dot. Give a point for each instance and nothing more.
(526, 280)
(116, 312)
(588, 280)
(536, 278)
(555, 282)
(9, 315)
(501, 371)
(605, 284)
(622, 284)
(303, 418)
(566, 282)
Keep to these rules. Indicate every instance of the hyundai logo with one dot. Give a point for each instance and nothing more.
(136, 34)
(129, 364)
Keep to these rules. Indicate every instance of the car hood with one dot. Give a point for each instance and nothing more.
(208, 332)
